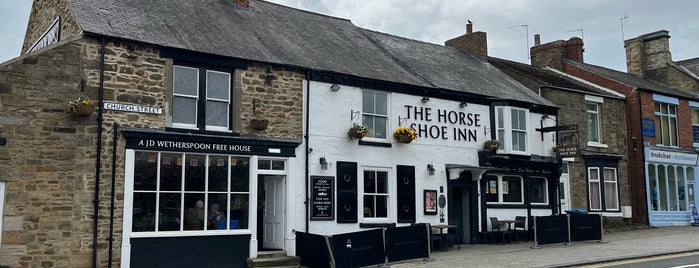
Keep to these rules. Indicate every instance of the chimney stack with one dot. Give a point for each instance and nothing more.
(242, 3)
(552, 54)
(474, 43)
(537, 39)
(647, 53)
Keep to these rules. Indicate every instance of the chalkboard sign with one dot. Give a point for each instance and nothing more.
(322, 199)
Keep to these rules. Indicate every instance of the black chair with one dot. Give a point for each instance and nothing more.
(520, 226)
(453, 235)
(496, 229)
(435, 237)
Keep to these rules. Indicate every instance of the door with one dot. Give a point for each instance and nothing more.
(564, 189)
(273, 212)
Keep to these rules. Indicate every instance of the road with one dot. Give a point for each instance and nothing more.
(682, 260)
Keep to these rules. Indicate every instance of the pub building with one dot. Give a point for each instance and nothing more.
(206, 150)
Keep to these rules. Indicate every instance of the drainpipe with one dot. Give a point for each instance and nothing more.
(98, 160)
(306, 138)
(111, 204)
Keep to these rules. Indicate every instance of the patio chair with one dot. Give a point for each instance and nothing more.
(495, 227)
(520, 226)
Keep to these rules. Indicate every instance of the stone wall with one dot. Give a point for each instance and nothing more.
(42, 15)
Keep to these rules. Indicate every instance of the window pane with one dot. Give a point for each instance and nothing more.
(195, 174)
(169, 212)
(185, 81)
(369, 182)
(501, 119)
(218, 86)
(662, 188)
(381, 103)
(653, 186)
(695, 117)
(240, 170)
(170, 172)
(595, 196)
(492, 194)
(592, 123)
(511, 189)
(239, 210)
(369, 206)
(382, 206)
(184, 110)
(368, 102)
(263, 164)
(194, 214)
(611, 195)
(217, 113)
(143, 212)
(673, 131)
(145, 171)
(278, 164)
(379, 127)
(218, 173)
(681, 189)
(537, 190)
(381, 182)
(672, 188)
(216, 216)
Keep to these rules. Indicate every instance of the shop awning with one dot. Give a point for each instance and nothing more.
(453, 171)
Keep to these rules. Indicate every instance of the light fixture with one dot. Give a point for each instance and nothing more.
(425, 99)
(335, 88)
(3, 141)
(463, 104)
(323, 163)
(430, 169)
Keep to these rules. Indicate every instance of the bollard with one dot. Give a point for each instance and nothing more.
(349, 247)
(536, 236)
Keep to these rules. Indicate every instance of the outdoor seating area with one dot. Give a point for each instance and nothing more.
(506, 230)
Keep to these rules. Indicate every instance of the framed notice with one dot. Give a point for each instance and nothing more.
(322, 200)
(430, 197)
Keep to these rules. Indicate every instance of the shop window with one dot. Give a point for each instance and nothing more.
(593, 122)
(375, 113)
(269, 164)
(672, 187)
(665, 124)
(375, 194)
(538, 191)
(201, 99)
(512, 129)
(695, 125)
(603, 189)
(175, 192)
(504, 189)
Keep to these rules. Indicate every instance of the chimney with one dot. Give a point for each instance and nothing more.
(474, 43)
(648, 54)
(552, 54)
(242, 3)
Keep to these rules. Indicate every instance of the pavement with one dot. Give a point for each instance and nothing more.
(616, 245)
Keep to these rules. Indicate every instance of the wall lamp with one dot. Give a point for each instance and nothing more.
(3, 141)
(430, 169)
(425, 99)
(335, 88)
(323, 163)
(463, 104)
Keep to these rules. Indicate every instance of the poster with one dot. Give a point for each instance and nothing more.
(430, 202)
(322, 207)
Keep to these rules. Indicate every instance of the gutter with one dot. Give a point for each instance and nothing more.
(98, 161)
(115, 140)
(307, 149)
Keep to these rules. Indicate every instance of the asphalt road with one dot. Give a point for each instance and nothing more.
(683, 260)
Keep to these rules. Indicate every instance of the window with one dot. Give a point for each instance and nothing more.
(175, 192)
(375, 113)
(538, 191)
(375, 194)
(593, 122)
(695, 124)
(512, 129)
(504, 189)
(201, 99)
(670, 187)
(603, 189)
(665, 124)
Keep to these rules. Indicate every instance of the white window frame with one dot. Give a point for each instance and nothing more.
(602, 181)
(228, 102)
(694, 106)
(195, 97)
(201, 94)
(615, 183)
(505, 131)
(598, 180)
(389, 191)
(501, 188)
(386, 116)
(673, 139)
(545, 191)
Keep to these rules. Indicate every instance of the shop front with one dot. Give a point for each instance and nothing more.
(202, 201)
(671, 186)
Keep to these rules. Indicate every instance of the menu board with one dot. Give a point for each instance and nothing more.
(322, 190)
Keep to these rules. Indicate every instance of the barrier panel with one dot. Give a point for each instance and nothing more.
(404, 243)
(585, 227)
(567, 228)
(313, 250)
(363, 248)
(550, 229)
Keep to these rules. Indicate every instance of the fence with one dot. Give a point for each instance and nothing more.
(567, 228)
(371, 247)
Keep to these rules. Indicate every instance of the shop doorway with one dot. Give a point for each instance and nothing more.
(463, 207)
(564, 188)
(271, 212)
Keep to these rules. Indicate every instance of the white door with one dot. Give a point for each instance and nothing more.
(564, 189)
(273, 214)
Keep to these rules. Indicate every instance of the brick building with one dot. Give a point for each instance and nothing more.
(661, 155)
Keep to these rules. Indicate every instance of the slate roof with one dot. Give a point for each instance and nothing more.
(535, 77)
(691, 65)
(272, 33)
(637, 81)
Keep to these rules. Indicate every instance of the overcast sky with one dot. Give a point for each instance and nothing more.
(598, 22)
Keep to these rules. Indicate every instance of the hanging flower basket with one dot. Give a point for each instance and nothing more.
(404, 135)
(357, 131)
(81, 106)
(259, 124)
(492, 145)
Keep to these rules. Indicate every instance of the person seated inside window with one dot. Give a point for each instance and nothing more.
(215, 217)
(194, 217)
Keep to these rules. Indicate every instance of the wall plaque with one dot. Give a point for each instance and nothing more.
(322, 206)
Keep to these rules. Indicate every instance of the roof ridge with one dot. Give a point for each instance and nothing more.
(305, 11)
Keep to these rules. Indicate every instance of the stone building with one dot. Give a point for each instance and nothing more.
(592, 121)
(661, 156)
(208, 123)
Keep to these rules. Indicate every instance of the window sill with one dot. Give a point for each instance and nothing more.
(190, 233)
(377, 225)
(206, 132)
(597, 144)
(375, 143)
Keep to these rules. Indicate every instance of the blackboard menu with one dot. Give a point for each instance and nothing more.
(322, 190)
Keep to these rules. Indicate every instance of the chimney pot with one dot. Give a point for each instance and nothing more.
(537, 39)
(242, 3)
(469, 28)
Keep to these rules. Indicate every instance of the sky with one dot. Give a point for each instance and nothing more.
(510, 24)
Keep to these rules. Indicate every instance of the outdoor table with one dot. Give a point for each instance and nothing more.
(441, 228)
